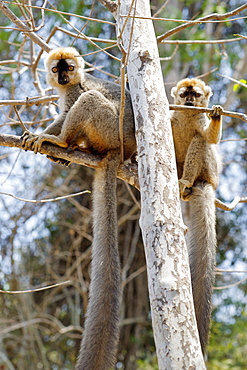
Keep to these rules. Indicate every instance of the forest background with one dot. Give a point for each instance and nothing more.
(49, 243)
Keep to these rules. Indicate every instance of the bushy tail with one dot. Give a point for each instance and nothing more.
(101, 332)
(202, 245)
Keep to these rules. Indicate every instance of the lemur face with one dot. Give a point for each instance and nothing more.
(63, 70)
(191, 96)
(64, 67)
(191, 92)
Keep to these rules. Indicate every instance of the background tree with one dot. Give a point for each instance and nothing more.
(50, 243)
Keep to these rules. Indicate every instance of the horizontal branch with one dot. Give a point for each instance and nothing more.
(199, 20)
(223, 41)
(31, 101)
(35, 289)
(45, 99)
(45, 200)
(184, 108)
(127, 173)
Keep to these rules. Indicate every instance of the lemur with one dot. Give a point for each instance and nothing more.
(198, 166)
(89, 120)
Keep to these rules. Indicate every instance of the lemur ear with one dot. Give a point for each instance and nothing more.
(208, 91)
(173, 91)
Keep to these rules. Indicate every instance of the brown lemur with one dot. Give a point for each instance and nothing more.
(89, 119)
(198, 166)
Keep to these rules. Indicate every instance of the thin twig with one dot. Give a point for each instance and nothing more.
(233, 80)
(12, 169)
(22, 124)
(242, 37)
(161, 8)
(86, 38)
(81, 36)
(35, 289)
(195, 42)
(222, 271)
(230, 285)
(66, 13)
(46, 200)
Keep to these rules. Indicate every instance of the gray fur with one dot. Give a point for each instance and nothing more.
(89, 120)
(201, 247)
(101, 330)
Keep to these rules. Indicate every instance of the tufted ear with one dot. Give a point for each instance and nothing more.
(208, 92)
(173, 91)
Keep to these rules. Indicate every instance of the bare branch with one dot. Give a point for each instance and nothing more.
(178, 42)
(161, 8)
(232, 205)
(45, 200)
(66, 13)
(22, 124)
(223, 271)
(126, 173)
(81, 36)
(36, 289)
(241, 116)
(230, 285)
(23, 28)
(233, 80)
(242, 37)
(31, 101)
(199, 20)
(87, 38)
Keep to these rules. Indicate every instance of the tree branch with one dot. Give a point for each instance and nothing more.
(23, 27)
(232, 205)
(31, 101)
(199, 20)
(126, 173)
(241, 116)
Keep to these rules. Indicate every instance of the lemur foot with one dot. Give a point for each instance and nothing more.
(59, 160)
(27, 140)
(185, 189)
(217, 111)
(32, 141)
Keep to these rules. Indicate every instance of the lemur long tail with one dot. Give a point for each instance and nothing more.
(202, 245)
(100, 339)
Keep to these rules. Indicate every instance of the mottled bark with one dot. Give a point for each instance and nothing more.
(173, 318)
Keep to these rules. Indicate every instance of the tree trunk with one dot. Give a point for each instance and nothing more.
(173, 318)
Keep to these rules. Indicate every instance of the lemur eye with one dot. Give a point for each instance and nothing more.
(71, 68)
(182, 95)
(54, 69)
(198, 95)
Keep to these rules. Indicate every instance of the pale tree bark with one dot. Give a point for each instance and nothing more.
(174, 324)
